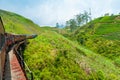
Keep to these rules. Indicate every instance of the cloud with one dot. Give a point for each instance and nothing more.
(116, 6)
(49, 12)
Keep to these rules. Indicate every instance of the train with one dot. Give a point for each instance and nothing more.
(15, 38)
(6, 41)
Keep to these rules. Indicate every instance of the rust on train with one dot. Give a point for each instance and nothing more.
(10, 46)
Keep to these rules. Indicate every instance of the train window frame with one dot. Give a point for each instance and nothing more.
(2, 34)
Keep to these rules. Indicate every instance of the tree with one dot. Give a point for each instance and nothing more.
(83, 18)
(79, 19)
(86, 16)
(71, 24)
(57, 25)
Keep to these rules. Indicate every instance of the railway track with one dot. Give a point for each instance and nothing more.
(12, 65)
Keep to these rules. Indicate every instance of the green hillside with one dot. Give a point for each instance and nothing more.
(102, 35)
(107, 27)
(15, 23)
(52, 56)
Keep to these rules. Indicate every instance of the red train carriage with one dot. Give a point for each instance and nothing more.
(7, 40)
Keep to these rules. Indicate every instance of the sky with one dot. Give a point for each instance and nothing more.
(49, 12)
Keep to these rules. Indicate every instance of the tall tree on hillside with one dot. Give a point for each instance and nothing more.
(83, 18)
(86, 16)
(79, 19)
(71, 24)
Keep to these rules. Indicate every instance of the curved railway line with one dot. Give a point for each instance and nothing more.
(12, 65)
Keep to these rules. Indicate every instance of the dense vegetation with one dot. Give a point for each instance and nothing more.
(102, 35)
(52, 56)
(55, 57)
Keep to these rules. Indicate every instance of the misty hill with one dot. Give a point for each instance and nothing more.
(52, 56)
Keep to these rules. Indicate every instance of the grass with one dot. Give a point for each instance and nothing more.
(107, 28)
(59, 58)
(102, 36)
(52, 56)
(15, 23)
(112, 36)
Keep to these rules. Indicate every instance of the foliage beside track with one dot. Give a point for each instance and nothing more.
(56, 57)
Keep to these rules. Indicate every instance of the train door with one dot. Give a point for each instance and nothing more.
(2, 51)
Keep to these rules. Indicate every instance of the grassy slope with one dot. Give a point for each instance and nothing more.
(107, 27)
(15, 23)
(102, 35)
(52, 56)
(56, 57)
